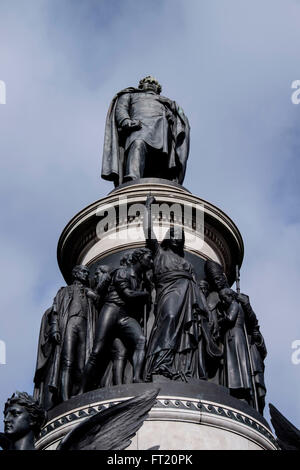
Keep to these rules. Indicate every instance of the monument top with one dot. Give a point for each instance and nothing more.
(146, 135)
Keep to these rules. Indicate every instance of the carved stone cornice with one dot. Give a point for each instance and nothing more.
(79, 241)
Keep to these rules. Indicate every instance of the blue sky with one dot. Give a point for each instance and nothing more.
(230, 65)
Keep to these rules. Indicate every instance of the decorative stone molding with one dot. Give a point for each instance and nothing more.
(171, 408)
(79, 242)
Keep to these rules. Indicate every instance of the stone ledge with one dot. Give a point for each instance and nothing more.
(176, 402)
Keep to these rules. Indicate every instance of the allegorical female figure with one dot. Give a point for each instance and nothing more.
(172, 349)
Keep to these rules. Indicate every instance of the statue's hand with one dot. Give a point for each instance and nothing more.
(91, 294)
(136, 125)
(150, 200)
(131, 125)
(243, 299)
(257, 336)
(55, 337)
(142, 296)
(148, 300)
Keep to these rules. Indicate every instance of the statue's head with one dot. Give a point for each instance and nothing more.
(102, 269)
(204, 287)
(142, 256)
(81, 273)
(126, 259)
(22, 415)
(174, 240)
(215, 275)
(227, 295)
(150, 83)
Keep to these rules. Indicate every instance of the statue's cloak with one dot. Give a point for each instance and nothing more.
(113, 148)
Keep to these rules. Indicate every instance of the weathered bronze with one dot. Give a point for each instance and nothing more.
(173, 345)
(23, 418)
(258, 350)
(116, 319)
(210, 349)
(146, 135)
(235, 327)
(236, 355)
(288, 436)
(111, 429)
(66, 340)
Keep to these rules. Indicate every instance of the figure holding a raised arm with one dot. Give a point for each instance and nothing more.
(173, 342)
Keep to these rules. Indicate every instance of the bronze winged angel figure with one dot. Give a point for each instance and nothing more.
(288, 436)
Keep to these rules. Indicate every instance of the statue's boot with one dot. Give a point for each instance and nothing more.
(88, 377)
(118, 370)
(66, 383)
(137, 362)
(119, 358)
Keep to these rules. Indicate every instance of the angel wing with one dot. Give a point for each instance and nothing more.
(113, 428)
(288, 436)
(5, 443)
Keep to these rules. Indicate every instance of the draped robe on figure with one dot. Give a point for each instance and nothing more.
(174, 337)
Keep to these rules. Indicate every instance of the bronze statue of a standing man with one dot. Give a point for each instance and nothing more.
(66, 340)
(146, 135)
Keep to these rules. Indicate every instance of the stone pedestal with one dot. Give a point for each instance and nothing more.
(198, 415)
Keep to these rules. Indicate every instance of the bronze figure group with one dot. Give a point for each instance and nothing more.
(94, 333)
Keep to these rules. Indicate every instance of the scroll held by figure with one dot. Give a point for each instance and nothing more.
(146, 135)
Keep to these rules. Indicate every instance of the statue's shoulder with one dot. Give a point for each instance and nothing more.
(126, 91)
(61, 290)
(66, 288)
(65, 291)
(121, 273)
(165, 98)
